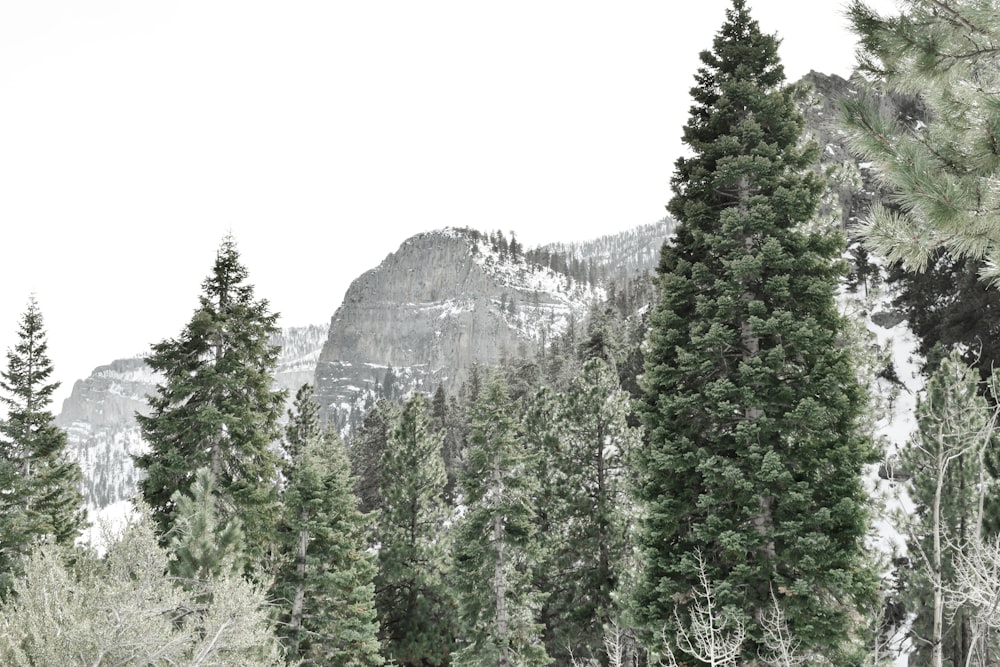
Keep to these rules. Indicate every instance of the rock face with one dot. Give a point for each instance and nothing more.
(99, 418)
(99, 415)
(444, 301)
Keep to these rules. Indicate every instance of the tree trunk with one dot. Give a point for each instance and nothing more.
(764, 520)
(937, 654)
(499, 578)
(295, 620)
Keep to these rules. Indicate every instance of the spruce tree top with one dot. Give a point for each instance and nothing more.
(215, 407)
(32, 444)
(25, 382)
(743, 128)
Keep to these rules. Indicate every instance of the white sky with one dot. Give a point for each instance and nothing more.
(323, 133)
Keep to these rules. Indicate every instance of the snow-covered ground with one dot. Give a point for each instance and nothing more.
(891, 368)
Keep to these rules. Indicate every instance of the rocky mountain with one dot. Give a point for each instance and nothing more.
(99, 415)
(443, 302)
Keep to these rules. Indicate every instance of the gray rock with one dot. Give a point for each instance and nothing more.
(430, 311)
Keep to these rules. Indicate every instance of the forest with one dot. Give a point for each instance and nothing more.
(679, 480)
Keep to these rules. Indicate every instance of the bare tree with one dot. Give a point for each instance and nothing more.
(716, 634)
(977, 586)
(944, 461)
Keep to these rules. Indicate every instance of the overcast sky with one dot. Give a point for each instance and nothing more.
(135, 134)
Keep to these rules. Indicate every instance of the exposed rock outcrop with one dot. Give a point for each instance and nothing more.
(444, 301)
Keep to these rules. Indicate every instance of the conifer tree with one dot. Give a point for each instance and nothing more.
(415, 604)
(366, 446)
(41, 496)
(202, 548)
(496, 547)
(944, 172)
(949, 308)
(589, 541)
(215, 407)
(325, 585)
(14, 533)
(751, 405)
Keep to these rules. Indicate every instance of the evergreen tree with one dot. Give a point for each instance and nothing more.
(943, 172)
(366, 448)
(414, 602)
(589, 541)
(15, 536)
(40, 495)
(949, 308)
(215, 407)
(325, 585)
(202, 548)
(495, 550)
(754, 453)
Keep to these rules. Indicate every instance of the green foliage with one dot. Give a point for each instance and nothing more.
(414, 602)
(40, 498)
(588, 512)
(325, 585)
(496, 548)
(367, 445)
(948, 307)
(754, 453)
(215, 407)
(943, 173)
(123, 609)
(202, 548)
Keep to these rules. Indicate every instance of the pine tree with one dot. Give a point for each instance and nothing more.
(589, 540)
(943, 172)
(415, 604)
(496, 547)
(325, 585)
(949, 308)
(14, 533)
(366, 447)
(202, 548)
(215, 407)
(40, 496)
(754, 452)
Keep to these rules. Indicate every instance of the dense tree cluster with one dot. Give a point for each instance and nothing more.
(675, 479)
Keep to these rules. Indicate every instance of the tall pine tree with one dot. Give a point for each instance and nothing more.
(215, 407)
(497, 547)
(40, 495)
(325, 585)
(413, 597)
(589, 540)
(754, 453)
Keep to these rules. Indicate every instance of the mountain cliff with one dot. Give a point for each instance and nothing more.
(443, 302)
